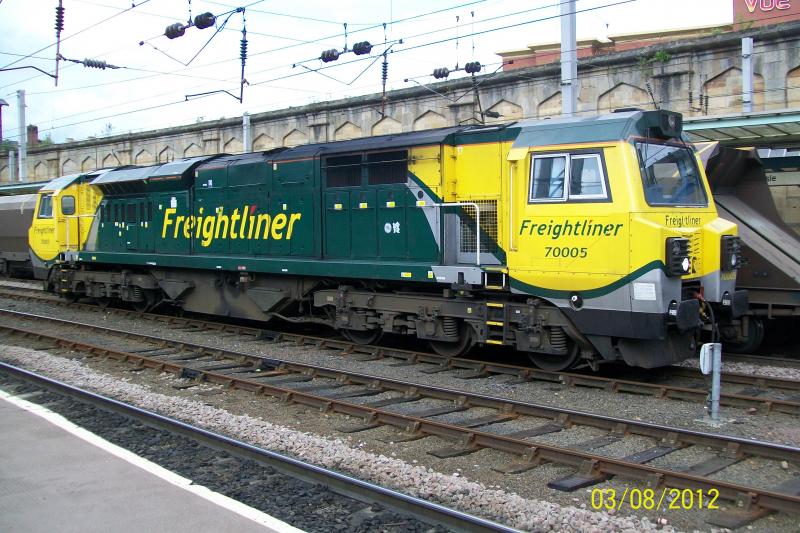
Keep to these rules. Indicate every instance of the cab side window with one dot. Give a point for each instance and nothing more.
(567, 177)
(586, 177)
(46, 207)
(547, 178)
(68, 205)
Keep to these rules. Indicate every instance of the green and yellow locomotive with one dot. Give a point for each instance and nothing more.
(572, 240)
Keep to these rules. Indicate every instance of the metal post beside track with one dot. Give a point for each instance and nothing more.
(711, 362)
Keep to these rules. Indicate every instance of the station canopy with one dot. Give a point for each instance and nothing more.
(753, 129)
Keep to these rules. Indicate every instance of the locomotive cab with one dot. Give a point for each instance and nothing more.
(61, 220)
(617, 228)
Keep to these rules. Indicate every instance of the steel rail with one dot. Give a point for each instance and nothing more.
(591, 466)
(729, 357)
(336, 481)
(761, 359)
(282, 367)
(483, 368)
(766, 382)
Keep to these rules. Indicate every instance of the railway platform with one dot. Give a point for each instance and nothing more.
(55, 476)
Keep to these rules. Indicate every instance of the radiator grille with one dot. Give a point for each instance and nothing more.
(488, 210)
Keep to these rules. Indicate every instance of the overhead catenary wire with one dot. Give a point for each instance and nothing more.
(535, 81)
(87, 28)
(201, 66)
(394, 22)
(399, 21)
(365, 29)
(279, 49)
(445, 40)
(401, 50)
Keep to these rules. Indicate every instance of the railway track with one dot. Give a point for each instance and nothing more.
(345, 485)
(349, 393)
(755, 392)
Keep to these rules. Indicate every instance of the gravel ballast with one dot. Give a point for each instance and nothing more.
(477, 467)
(307, 506)
(451, 490)
(691, 415)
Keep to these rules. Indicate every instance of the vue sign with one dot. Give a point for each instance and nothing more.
(767, 5)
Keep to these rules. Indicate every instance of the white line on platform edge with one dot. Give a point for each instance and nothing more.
(216, 498)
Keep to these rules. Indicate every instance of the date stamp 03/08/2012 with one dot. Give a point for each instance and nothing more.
(649, 499)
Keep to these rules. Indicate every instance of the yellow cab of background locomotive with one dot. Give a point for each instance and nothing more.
(52, 230)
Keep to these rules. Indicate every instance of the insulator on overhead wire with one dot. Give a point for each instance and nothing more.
(94, 63)
(59, 19)
(472, 67)
(364, 47)
(204, 20)
(385, 70)
(243, 50)
(440, 73)
(174, 31)
(329, 55)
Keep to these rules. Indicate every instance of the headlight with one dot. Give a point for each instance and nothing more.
(730, 253)
(678, 262)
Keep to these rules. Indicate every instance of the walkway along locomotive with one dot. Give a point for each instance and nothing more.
(582, 239)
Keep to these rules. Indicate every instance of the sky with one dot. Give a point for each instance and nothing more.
(157, 76)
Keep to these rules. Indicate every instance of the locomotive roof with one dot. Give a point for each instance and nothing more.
(379, 142)
(173, 168)
(616, 126)
(62, 182)
(396, 140)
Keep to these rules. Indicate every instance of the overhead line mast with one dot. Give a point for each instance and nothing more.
(569, 59)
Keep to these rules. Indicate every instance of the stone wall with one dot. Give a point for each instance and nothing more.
(696, 77)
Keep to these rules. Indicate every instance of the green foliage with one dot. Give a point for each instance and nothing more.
(661, 56)
(6, 146)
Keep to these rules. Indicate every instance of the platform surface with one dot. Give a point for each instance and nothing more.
(51, 479)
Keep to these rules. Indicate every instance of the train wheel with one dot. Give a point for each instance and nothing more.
(70, 297)
(755, 336)
(102, 301)
(362, 337)
(556, 363)
(465, 342)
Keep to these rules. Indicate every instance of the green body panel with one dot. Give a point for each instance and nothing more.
(147, 236)
(420, 243)
(279, 203)
(208, 199)
(305, 239)
(249, 175)
(241, 197)
(337, 224)
(296, 174)
(363, 234)
(377, 230)
(392, 244)
(168, 245)
(132, 225)
(212, 178)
